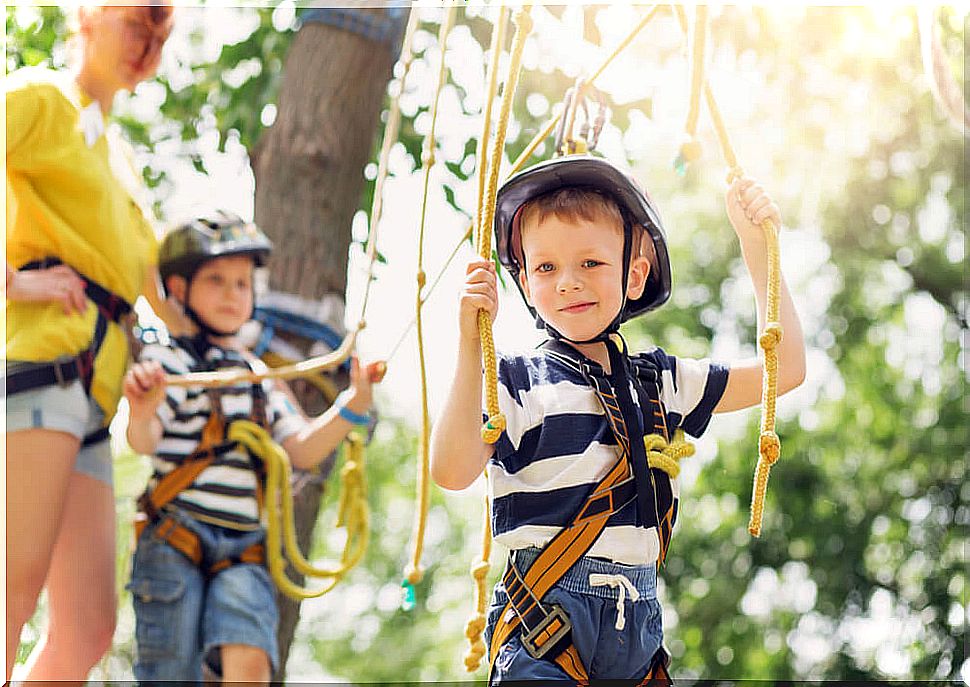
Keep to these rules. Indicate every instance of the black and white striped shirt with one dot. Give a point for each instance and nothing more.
(225, 492)
(558, 444)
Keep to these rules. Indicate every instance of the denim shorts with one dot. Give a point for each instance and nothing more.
(182, 616)
(64, 409)
(607, 653)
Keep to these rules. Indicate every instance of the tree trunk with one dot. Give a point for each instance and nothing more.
(309, 183)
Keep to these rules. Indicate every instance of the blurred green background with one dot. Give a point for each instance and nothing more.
(861, 569)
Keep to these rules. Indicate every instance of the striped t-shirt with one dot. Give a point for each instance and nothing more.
(225, 492)
(558, 444)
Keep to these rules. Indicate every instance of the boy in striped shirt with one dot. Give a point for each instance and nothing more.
(189, 612)
(587, 250)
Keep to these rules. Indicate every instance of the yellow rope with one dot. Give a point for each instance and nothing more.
(413, 572)
(496, 420)
(667, 456)
(323, 383)
(498, 41)
(353, 511)
(691, 148)
(479, 571)
(769, 445)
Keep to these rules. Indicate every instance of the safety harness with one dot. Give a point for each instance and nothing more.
(546, 631)
(214, 443)
(62, 372)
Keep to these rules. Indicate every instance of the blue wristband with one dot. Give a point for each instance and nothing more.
(352, 417)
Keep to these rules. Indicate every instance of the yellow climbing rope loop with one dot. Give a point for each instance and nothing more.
(413, 571)
(523, 26)
(769, 445)
(280, 531)
(667, 456)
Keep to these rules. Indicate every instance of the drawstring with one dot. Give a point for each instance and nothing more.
(625, 587)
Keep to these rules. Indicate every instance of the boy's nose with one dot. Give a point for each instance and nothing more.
(569, 282)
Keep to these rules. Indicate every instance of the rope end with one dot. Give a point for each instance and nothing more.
(493, 429)
(769, 446)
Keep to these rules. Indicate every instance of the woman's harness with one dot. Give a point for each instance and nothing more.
(63, 371)
(546, 631)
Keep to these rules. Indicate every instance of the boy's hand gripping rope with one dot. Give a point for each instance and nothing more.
(769, 445)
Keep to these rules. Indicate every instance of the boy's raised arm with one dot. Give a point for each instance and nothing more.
(748, 206)
(458, 453)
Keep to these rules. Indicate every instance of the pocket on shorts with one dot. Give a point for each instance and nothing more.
(157, 604)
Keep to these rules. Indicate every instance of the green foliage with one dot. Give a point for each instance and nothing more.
(867, 513)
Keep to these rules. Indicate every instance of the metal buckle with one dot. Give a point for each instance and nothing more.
(536, 650)
(59, 374)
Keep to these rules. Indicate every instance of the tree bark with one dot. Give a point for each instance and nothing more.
(309, 183)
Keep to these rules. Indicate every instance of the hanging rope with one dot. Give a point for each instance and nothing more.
(769, 445)
(353, 514)
(475, 626)
(944, 85)
(690, 151)
(413, 572)
(523, 26)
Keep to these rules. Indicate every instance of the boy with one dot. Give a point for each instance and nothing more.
(586, 530)
(201, 589)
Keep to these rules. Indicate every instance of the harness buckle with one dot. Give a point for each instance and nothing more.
(59, 374)
(548, 633)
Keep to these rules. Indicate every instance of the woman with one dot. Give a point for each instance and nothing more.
(79, 251)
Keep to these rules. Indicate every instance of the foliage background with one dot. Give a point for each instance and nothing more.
(861, 572)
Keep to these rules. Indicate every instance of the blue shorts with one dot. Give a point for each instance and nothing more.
(182, 617)
(64, 409)
(593, 606)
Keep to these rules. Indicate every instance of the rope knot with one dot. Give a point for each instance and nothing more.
(771, 336)
(691, 150)
(473, 633)
(422, 279)
(480, 570)
(427, 158)
(493, 429)
(770, 447)
(523, 20)
(413, 574)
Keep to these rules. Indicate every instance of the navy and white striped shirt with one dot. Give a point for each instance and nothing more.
(558, 444)
(225, 492)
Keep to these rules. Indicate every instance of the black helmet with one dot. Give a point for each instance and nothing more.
(585, 171)
(186, 247)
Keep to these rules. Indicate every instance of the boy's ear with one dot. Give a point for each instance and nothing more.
(177, 286)
(637, 280)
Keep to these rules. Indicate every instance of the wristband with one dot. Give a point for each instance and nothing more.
(349, 415)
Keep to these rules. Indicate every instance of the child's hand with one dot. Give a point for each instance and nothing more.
(479, 293)
(144, 387)
(361, 391)
(748, 206)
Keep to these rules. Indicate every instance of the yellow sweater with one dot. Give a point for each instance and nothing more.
(69, 200)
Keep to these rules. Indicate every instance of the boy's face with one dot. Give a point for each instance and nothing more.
(222, 292)
(573, 274)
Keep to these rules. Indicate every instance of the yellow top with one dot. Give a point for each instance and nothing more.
(73, 201)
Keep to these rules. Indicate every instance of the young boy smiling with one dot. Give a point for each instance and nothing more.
(587, 250)
(202, 593)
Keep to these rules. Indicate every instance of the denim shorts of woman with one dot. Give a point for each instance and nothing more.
(182, 616)
(615, 615)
